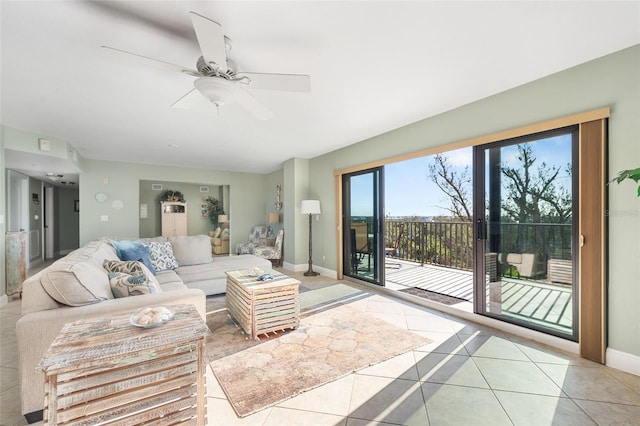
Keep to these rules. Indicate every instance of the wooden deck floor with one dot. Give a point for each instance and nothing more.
(544, 304)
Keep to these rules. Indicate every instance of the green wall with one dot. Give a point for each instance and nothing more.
(120, 181)
(3, 215)
(151, 226)
(612, 81)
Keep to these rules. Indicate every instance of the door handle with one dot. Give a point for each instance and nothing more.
(481, 229)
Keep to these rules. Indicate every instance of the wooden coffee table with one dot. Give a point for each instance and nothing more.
(262, 307)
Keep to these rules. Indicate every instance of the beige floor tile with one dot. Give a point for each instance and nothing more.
(541, 353)
(539, 410)
(214, 390)
(220, 413)
(610, 414)
(516, 376)
(429, 323)
(628, 379)
(285, 416)
(8, 378)
(384, 306)
(359, 422)
(398, 320)
(332, 398)
(448, 343)
(460, 405)
(401, 366)
(589, 383)
(388, 400)
(449, 369)
(488, 346)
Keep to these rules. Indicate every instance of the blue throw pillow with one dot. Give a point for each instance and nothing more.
(140, 254)
(125, 244)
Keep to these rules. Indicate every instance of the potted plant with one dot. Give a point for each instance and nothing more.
(173, 196)
(214, 209)
(633, 174)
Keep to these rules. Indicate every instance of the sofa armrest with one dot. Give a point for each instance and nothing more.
(37, 330)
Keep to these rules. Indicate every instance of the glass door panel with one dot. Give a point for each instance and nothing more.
(526, 231)
(361, 225)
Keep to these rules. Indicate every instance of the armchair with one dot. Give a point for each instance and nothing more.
(219, 241)
(273, 253)
(255, 234)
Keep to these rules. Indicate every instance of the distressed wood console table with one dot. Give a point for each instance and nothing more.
(107, 369)
(261, 307)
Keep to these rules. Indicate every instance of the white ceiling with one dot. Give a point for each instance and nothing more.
(374, 66)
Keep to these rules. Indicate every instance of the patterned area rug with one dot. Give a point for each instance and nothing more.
(328, 345)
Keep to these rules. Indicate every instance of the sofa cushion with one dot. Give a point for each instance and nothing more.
(191, 250)
(131, 267)
(140, 254)
(76, 283)
(125, 285)
(162, 257)
(126, 245)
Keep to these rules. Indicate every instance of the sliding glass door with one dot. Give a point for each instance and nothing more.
(362, 225)
(526, 231)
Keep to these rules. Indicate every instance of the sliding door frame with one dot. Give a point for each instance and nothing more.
(592, 293)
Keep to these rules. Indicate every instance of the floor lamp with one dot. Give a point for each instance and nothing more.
(310, 207)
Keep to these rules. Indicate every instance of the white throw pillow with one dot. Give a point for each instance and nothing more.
(217, 232)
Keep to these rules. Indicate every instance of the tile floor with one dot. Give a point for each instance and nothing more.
(468, 375)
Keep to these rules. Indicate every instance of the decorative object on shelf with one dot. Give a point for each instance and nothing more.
(174, 196)
(278, 203)
(633, 174)
(215, 209)
(310, 207)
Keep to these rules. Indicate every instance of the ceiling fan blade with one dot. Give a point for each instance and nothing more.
(211, 40)
(157, 62)
(287, 82)
(252, 105)
(192, 100)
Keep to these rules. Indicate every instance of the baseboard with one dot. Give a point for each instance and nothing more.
(305, 266)
(626, 362)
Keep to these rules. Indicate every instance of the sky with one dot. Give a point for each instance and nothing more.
(409, 190)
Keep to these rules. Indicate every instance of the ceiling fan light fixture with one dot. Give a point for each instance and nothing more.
(217, 90)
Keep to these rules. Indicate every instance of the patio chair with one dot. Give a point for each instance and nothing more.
(361, 244)
(394, 251)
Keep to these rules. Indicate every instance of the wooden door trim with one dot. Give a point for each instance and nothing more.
(592, 250)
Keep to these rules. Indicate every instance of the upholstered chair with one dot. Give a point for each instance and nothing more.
(257, 232)
(273, 253)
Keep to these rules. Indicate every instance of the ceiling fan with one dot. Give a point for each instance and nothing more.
(218, 82)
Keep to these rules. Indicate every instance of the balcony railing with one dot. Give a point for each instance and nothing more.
(450, 244)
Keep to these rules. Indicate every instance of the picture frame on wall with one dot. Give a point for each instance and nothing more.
(204, 211)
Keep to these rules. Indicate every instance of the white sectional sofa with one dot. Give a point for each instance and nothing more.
(78, 286)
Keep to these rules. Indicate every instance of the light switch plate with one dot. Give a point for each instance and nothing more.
(44, 144)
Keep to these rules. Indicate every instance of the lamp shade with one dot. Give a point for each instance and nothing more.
(310, 207)
(273, 217)
(223, 218)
